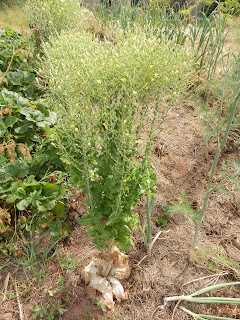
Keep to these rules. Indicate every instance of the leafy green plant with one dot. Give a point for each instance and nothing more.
(230, 7)
(30, 176)
(48, 311)
(11, 41)
(104, 93)
(69, 263)
(205, 300)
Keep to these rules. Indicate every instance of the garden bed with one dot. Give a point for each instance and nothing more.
(43, 279)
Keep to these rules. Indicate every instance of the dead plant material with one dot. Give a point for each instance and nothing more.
(5, 216)
(103, 273)
(90, 23)
(24, 150)
(76, 205)
(21, 315)
(7, 111)
(6, 282)
(2, 149)
(3, 80)
(10, 148)
(27, 54)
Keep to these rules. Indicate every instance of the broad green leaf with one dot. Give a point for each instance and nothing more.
(50, 190)
(11, 198)
(58, 225)
(26, 111)
(20, 77)
(36, 116)
(20, 101)
(10, 121)
(23, 204)
(22, 129)
(13, 171)
(51, 204)
(52, 118)
(59, 209)
(10, 96)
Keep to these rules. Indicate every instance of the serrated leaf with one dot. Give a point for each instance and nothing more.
(12, 171)
(23, 204)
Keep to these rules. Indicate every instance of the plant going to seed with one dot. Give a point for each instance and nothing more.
(112, 99)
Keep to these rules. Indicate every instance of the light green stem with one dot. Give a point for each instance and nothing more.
(216, 158)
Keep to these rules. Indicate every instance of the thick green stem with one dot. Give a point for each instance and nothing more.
(149, 228)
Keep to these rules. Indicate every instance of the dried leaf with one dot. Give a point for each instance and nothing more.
(2, 149)
(5, 216)
(10, 147)
(24, 150)
(102, 272)
(108, 298)
(7, 111)
(117, 289)
(99, 283)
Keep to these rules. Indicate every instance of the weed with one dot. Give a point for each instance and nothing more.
(41, 276)
(48, 311)
(88, 315)
(69, 263)
(51, 17)
(101, 133)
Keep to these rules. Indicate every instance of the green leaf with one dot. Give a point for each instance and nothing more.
(62, 190)
(11, 198)
(20, 77)
(22, 129)
(2, 129)
(23, 204)
(12, 171)
(58, 225)
(51, 204)
(20, 101)
(36, 116)
(21, 193)
(59, 209)
(26, 111)
(10, 121)
(161, 222)
(50, 190)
